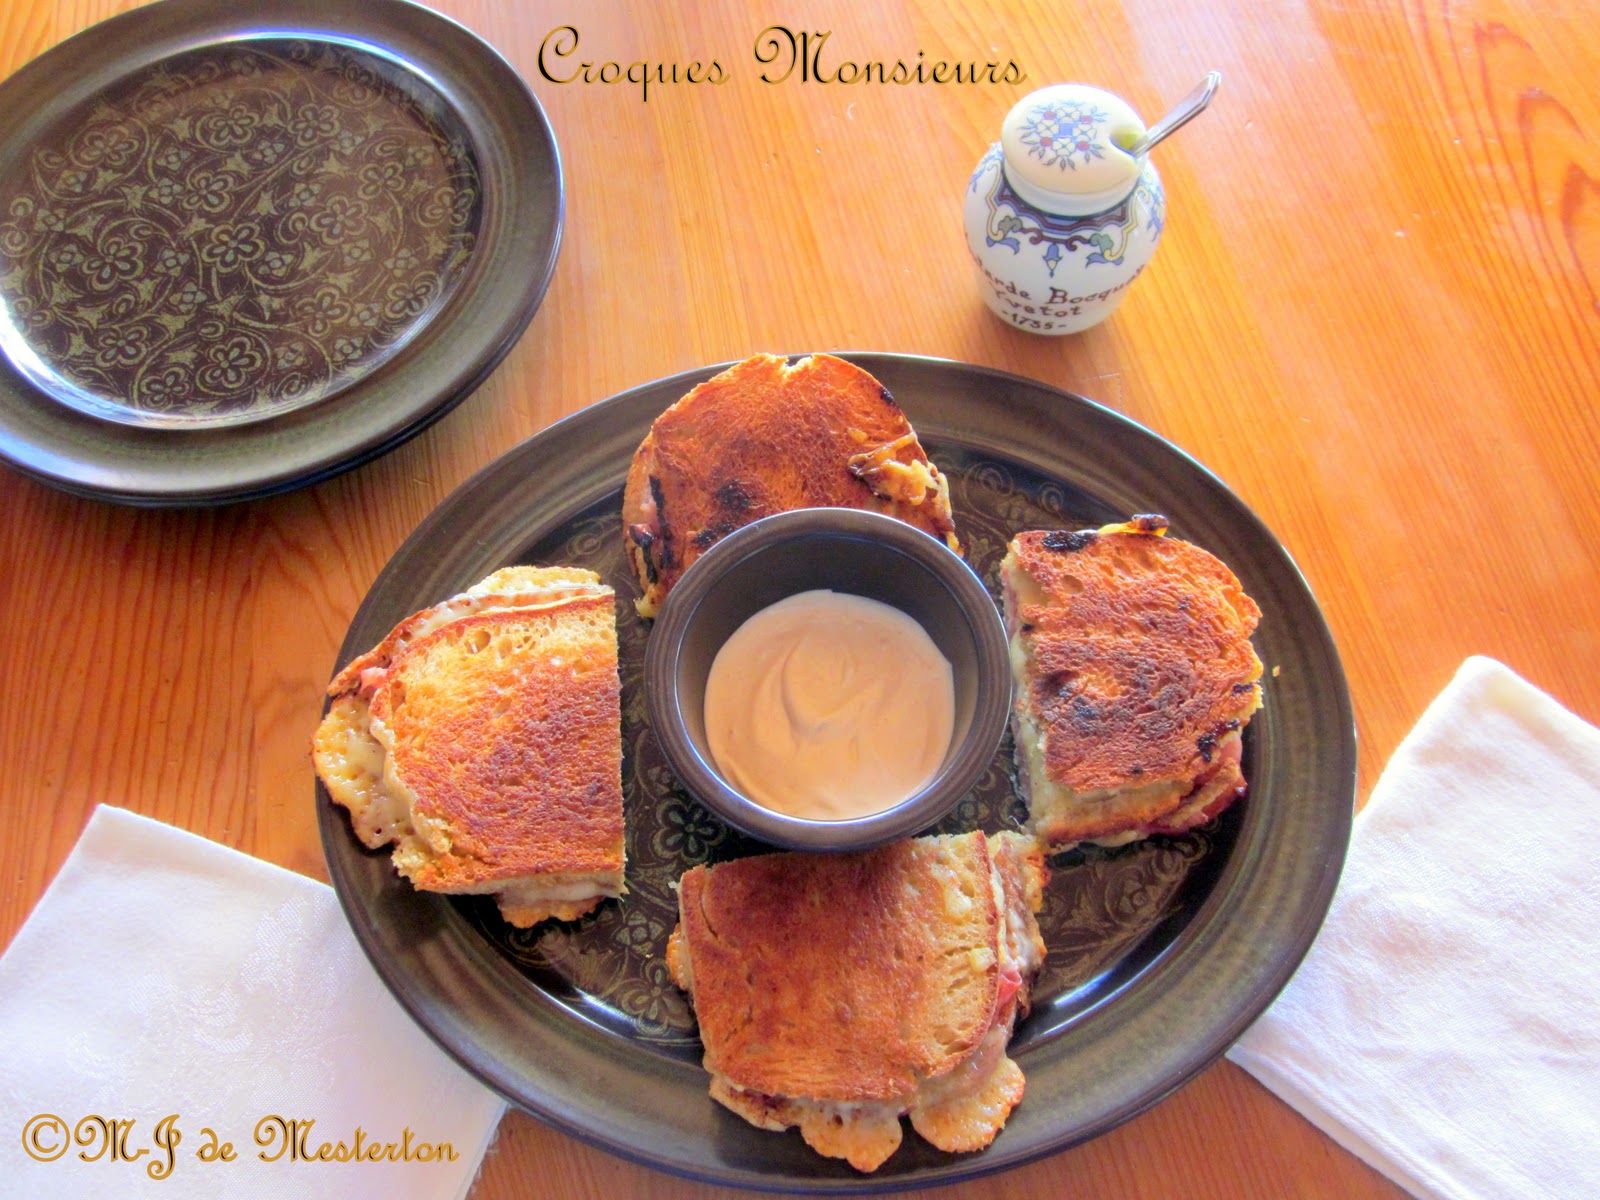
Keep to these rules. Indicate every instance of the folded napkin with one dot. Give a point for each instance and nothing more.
(164, 975)
(1445, 1026)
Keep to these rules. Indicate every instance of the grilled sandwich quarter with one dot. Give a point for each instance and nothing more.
(1134, 678)
(482, 739)
(838, 992)
(764, 437)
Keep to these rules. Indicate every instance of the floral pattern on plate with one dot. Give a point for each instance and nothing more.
(234, 233)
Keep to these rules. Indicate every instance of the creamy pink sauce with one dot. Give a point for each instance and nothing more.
(829, 706)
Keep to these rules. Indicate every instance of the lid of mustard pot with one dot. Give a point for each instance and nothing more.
(1064, 148)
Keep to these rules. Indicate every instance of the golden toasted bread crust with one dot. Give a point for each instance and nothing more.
(764, 437)
(509, 586)
(1138, 653)
(842, 978)
(505, 727)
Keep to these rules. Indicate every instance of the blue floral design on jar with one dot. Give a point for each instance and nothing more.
(1056, 132)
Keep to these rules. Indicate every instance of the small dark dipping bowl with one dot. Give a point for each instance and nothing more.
(843, 550)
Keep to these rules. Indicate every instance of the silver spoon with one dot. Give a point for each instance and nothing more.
(1187, 109)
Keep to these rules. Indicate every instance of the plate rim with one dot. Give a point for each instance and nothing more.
(488, 309)
(1220, 1034)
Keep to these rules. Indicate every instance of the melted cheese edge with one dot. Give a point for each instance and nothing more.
(351, 764)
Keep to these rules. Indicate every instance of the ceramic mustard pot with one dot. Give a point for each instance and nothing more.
(1059, 215)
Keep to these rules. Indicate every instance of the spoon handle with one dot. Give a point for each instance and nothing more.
(1190, 107)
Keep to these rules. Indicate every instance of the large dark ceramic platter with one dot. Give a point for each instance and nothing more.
(243, 247)
(1160, 953)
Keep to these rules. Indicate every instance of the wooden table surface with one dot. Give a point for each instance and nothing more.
(1373, 314)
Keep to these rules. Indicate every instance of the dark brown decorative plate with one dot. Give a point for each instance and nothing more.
(243, 247)
(1161, 953)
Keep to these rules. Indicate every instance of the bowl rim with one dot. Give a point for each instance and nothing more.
(973, 753)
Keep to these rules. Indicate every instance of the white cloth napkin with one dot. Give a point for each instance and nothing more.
(164, 974)
(1445, 1026)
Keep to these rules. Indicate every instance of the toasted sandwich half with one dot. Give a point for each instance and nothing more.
(482, 738)
(838, 992)
(764, 437)
(1134, 677)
